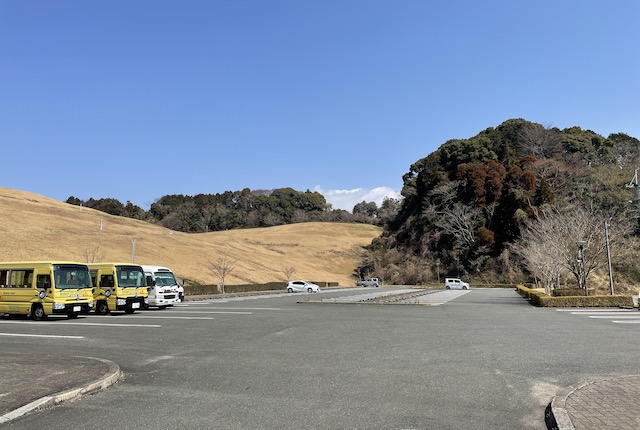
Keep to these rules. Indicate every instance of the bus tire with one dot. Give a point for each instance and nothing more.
(129, 310)
(72, 315)
(37, 312)
(102, 308)
(162, 307)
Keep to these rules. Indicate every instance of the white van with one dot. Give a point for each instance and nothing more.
(162, 285)
(455, 284)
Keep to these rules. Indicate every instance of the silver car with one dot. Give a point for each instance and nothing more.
(301, 286)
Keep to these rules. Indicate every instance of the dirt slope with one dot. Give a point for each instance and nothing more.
(34, 227)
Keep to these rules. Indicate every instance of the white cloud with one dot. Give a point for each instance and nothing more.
(347, 199)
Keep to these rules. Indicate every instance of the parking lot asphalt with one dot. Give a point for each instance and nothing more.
(28, 383)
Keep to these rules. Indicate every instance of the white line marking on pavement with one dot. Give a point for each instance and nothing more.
(167, 317)
(184, 305)
(210, 312)
(80, 323)
(609, 317)
(628, 322)
(582, 311)
(241, 309)
(41, 335)
(600, 313)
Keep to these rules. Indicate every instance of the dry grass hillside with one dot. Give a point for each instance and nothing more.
(35, 227)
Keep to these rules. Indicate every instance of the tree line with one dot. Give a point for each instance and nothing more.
(243, 209)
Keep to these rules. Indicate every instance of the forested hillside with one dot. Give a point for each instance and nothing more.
(242, 209)
(467, 205)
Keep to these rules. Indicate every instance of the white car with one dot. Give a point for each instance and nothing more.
(301, 286)
(455, 284)
(370, 282)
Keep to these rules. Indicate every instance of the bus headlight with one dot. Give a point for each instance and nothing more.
(91, 304)
(58, 305)
(121, 302)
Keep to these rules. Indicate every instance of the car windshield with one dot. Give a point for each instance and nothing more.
(72, 277)
(131, 277)
(165, 278)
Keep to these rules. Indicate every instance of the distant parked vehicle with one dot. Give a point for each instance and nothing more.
(301, 286)
(163, 288)
(455, 284)
(370, 282)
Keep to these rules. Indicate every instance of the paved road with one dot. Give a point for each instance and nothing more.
(481, 360)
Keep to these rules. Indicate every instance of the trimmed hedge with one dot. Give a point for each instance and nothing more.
(195, 290)
(561, 292)
(539, 298)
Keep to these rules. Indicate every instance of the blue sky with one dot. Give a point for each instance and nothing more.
(138, 99)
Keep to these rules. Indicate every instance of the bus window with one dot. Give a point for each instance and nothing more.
(106, 281)
(21, 278)
(3, 278)
(43, 281)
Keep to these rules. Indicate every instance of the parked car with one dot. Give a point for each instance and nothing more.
(370, 282)
(455, 284)
(301, 286)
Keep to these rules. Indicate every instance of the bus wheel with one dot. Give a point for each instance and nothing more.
(72, 315)
(102, 308)
(129, 310)
(37, 313)
(162, 307)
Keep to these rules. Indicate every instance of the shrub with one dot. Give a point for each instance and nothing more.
(539, 298)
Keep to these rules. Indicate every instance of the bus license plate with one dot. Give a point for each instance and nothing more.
(135, 305)
(77, 308)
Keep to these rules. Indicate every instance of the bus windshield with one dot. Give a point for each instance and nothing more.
(131, 277)
(72, 277)
(165, 278)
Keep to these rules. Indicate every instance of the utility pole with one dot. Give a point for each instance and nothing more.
(606, 238)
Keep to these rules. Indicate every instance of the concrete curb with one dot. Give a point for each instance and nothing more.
(113, 375)
(556, 415)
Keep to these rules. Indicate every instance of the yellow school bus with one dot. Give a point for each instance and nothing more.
(44, 288)
(118, 287)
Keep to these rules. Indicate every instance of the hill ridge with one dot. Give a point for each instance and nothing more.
(36, 227)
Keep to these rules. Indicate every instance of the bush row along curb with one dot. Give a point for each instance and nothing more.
(538, 298)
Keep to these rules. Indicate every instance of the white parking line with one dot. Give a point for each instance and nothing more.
(80, 323)
(610, 317)
(158, 316)
(241, 309)
(591, 310)
(211, 312)
(41, 335)
(602, 313)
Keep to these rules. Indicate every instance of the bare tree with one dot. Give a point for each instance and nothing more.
(569, 240)
(288, 272)
(461, 221)
(221, 268)
(94, 255)
(540, 141)
(539, 256)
